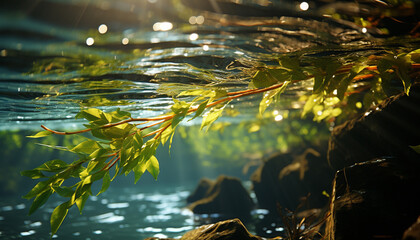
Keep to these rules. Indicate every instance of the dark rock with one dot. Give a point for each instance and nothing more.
(388, 130)
(226, 196)
(225, 230)
(413, 232)
(372, 200)
(200, 191)
(286, 179)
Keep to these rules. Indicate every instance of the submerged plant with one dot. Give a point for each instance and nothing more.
(120, 143)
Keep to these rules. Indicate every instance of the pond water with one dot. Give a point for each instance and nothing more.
(59, 56)
(121, 212)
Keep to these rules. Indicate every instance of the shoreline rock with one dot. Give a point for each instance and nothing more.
(373, 199)
(225, 196)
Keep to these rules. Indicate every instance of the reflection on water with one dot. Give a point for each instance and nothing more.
(132, 216)
(64, 54)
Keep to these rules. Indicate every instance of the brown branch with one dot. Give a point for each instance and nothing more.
(161, 131)
(115, 161)
(112, 159)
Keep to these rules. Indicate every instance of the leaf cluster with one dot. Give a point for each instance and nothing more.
(123, 143)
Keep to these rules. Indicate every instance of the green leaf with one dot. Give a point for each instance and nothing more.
(89, 146)
(269, 96)
(34, 174)
(200, 109)
(167, 132)
(80, 202)
(91, 114)
(53, 166)
(118, 131)
(105, 183)
(264, 78)
(41, 134)
(138, 140)
(289, 63)
(58, 215)
(213, 115)
(312, 101)
(343, 85)
(139, 170)
(40, 200)
(63, 191)
(38, 189)
(153, 167)
(119, 115)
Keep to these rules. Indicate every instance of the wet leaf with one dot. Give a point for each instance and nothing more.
(91, 114)
(212, 115)
(200, 109)
(118, 131)
(269, 96)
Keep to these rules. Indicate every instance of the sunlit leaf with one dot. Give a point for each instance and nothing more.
(269, 96)
(58, 215)
(166, 133)
(118, 131)
(213, 115)
(41, 134)
(105, 183)
(200, 109)
(312, 101)
(80, 202)
(138, 140)
(89, 146)
(91, 114)
(38, 189)
(139, 170)
(153, 167)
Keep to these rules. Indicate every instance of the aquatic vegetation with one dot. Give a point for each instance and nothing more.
(120, 144)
